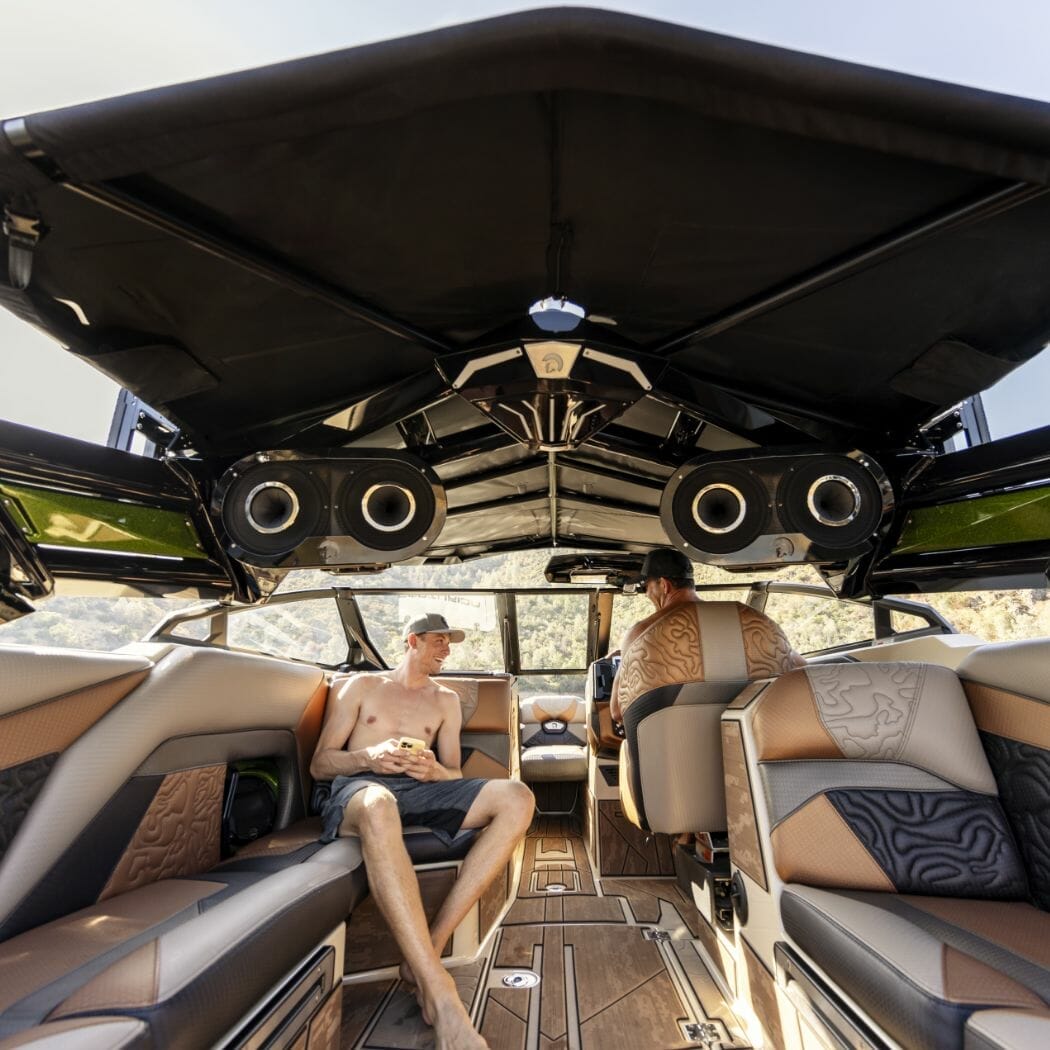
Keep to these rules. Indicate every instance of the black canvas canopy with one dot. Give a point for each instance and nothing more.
(795, 250)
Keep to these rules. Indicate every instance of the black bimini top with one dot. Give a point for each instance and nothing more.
(794, 249)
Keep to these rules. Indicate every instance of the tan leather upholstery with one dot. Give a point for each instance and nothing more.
(32, 675)
(158, 953)
(920, 965)
(179, 834)
(902, 736)
(906, 884)
(489, 735)
(1006, 714)
(84, 1033)
(681, 671)
(815, 846)
(37, 958)
(703, 642)
(488, 703)
(49, 726)
(189, 691)
(565, 707)
(908, 713)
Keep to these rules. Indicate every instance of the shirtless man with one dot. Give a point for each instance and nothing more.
(667, 575)
(379, 786)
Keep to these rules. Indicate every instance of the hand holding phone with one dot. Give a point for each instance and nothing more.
(411, 743)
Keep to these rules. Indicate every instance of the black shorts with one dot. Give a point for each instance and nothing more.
(440, 805)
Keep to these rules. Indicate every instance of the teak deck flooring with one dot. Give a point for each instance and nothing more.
(603, 984)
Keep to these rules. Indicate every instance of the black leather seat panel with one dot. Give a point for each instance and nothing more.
(190, 976)
(921, 966)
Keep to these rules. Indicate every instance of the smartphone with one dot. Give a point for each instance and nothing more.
(410, 743)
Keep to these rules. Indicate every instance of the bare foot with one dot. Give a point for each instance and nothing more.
(444, 1011)
(409, 980)
(453, 1030)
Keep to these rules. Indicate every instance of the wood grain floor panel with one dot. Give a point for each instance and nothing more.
(647, 1016)
(501, 1028)
(644, 897)
(359, 1003)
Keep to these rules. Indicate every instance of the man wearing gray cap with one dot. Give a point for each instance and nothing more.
(667, 575)
(382, 736)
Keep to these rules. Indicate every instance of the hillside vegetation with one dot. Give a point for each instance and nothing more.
(551, 628)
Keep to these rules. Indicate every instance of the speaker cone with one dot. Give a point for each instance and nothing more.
(720, 507)
(833, 500)
(272, 507)
(387, 505)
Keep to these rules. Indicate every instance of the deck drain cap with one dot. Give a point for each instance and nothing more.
(556, 887)
(521, 979)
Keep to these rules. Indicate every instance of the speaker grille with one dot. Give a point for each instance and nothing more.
(271, 508)
(720, 508)
(386, 505)
(833, 500)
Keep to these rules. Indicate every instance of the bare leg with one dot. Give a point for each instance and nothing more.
(504, 808)
(372, 814)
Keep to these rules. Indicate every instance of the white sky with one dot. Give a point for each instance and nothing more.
(59, 53)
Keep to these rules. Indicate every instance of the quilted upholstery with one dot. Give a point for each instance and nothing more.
(882, 763)
(19, 787)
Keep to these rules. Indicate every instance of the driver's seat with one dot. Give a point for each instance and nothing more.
(675, 680)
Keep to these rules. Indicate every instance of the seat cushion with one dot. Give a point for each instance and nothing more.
(300, 842)
(920, 966)
(554, 762)
(188, 957)
(85, 1033)
(1008, 1030)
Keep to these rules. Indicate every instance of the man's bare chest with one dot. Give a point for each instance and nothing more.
(395, 713)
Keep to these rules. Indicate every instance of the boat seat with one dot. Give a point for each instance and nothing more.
(301, 841)
(1007, 1029)
(84, 1033)
(553, 738)
(186, 958)
(675, 680)
(922, 965)
(905, 885)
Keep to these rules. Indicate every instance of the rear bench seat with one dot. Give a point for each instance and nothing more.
(906, 886)
(110, 900)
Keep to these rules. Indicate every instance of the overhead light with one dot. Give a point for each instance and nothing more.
(556, 314)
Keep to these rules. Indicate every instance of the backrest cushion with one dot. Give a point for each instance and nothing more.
(50, 698)
(138, 797)
(1008, 686)
(489, 738)
(703, 642)
(875, 779)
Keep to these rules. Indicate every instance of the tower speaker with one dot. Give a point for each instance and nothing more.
(293, 510)
(835, 501)
(747, 509)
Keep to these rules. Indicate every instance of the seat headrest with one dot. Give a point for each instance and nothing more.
(912, 713)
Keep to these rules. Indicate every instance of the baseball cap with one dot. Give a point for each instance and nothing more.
(432, 623)
(667, 562)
